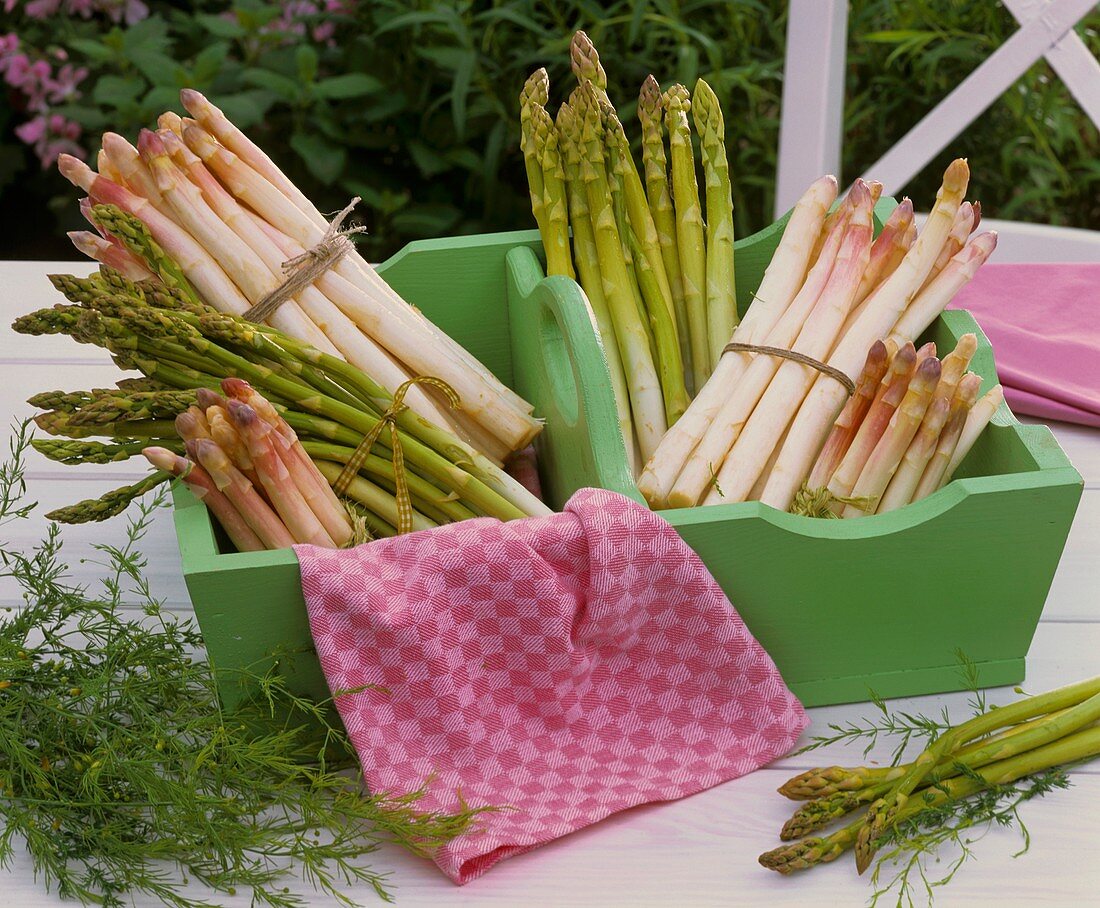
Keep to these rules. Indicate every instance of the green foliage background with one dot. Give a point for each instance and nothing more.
(413, 105)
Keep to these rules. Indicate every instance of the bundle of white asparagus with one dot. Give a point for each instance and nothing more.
(222, 209)
(909, 424)
(831, 291)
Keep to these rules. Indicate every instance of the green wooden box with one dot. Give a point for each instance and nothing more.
(843, 607)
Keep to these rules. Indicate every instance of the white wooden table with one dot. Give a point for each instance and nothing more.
(698, 851)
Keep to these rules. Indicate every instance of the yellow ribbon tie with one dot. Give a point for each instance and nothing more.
(359, 455)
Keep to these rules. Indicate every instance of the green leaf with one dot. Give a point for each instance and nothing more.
(305, 57)
(426, 220)
(323, 159)
(223, 28)
(117, 91)
(246, 108)
(352, 85)
(208, 62)
(460, 88)
(428, 161)
(93, 50)
(283, 86)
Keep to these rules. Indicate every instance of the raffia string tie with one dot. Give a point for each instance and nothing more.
(794, 356)
(304, 269)
(359, 455)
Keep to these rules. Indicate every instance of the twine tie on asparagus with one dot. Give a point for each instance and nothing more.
(794, 356)
(389, 417)
(304, 269)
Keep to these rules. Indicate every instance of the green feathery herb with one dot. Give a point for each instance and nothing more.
(121, 776)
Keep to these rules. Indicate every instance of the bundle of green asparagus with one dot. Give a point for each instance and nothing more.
(161, 329)
(232, 220)
(660, 282)
(909, 424)
(832, 289)
(987, 753)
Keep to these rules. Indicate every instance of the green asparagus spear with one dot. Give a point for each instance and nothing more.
(645, 252)
(588, 264)
(536, 91)
(644, 388)
(109, 504)
(689, 229)
(586, 64)
(69, 451)
(1081, 745)
(655, 164)
(721, 289)
(555, 207)
(884, 811)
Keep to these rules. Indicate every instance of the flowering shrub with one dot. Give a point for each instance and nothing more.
(411, 104)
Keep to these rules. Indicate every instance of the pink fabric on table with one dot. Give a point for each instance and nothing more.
(565, 667)
(1044, 323)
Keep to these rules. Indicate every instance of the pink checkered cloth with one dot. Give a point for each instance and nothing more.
(566, 667)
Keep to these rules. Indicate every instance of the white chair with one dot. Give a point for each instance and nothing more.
(810, 132)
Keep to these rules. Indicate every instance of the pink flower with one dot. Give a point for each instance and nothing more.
(42, 9)
(16, 68)
(32, 131)
(9, 44)
(64, 87)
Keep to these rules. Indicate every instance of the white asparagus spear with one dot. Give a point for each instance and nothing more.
(979, 417)
(956, 239)
(761, 434)
(702, 465)
(934, 298)
(354, 346)
(105, 167)
(781, 282)
(935, 473)
(884, 307)
(895, 441)
(135, 174)
(307, 228)
(884, 253)
(849, 421)
(891, 393)
(225, 131)
(246, 268)
(901, 488)
(110, 252)
(199, 267)
(392, 325)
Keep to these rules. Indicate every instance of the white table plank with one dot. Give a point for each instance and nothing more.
(699, 851)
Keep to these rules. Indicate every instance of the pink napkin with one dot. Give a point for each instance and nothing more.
(1044, 323)
(565, 667)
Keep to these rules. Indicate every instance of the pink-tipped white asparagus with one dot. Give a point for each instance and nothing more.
(703, 463)
(191, 425)
(934, 298)
(850, 419)
(282, 490)
(901, 488)
(316, 489)
(956, 239)
(776, 409)
(202, 487)
(353, 345)
(111, 253)
(895, 441)
(936, 473)
(888, 250)
(257, 513)
(889, 396)
(781, 282)
(236, 258)
(978, 418)
(381, 313)
(197, 264)
(884, 307)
